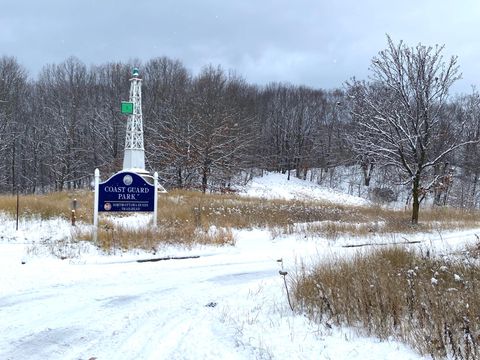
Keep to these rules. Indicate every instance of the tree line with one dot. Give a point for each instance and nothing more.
(210, 130)
(200, 131)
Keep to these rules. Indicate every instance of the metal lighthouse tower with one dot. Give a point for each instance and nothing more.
(134, 156)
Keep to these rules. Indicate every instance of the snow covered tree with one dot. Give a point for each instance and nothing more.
(13, 96)
(223, 126)
(110, 85)
(299, 128)
(63, 89)
(401, 114)
(468, 107)
(168, 126)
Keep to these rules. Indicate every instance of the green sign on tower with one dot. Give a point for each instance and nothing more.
(127, 107)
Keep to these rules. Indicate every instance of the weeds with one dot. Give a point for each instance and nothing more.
(52, 205)
(63, 248)
(431, 304)
(187, 217)
(473, 250)
(112, 237)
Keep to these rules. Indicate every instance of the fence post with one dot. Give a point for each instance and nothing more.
(74, 211)
(18, 206)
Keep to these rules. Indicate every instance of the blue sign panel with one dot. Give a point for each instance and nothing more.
(126, 191)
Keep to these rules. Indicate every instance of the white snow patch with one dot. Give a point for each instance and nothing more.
(277, 186)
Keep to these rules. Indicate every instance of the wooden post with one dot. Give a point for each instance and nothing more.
(74, 210)
(18, 205)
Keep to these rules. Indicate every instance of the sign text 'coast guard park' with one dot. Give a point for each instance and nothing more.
(126, 191)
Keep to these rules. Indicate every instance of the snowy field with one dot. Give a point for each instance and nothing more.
(227, 303)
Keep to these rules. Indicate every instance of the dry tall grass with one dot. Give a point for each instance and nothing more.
(111, 236)
(185, 216)
(206, 210)
(55, 204)
(431, 304)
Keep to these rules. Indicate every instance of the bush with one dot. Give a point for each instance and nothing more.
(383, 195)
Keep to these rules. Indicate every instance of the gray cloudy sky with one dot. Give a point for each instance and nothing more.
(316, 43)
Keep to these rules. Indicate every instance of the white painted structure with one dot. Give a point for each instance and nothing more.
(134, 153)
(134, 156)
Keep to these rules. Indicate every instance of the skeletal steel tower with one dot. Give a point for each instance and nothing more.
(134, 156)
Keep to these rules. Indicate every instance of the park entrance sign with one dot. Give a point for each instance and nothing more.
(125, 191)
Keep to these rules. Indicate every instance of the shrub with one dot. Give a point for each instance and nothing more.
(383, 195)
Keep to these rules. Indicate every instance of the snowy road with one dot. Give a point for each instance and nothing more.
(128, 310)
(227, 304)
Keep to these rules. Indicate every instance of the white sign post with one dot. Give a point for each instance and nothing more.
(95, 205)
(155, 200)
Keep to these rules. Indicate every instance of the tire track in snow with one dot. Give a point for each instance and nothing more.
(155, 311)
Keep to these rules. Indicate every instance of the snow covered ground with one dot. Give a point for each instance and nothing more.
(277, 186)
(228, 303)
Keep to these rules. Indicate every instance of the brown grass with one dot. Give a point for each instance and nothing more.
(375, 220)
(242, 212)
(431, 304)
(111, 237)
(55, 204)
(185, 216)
(473, 251)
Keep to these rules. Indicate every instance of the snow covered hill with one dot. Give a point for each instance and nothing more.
(277, 186)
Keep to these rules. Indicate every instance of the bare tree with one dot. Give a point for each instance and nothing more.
(468, 107)
(400, 114)
(13, 92)
(64, 90)
(222, 126)
(106, 124)
(168, 124)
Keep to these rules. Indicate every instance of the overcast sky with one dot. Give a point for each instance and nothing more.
(315, 43)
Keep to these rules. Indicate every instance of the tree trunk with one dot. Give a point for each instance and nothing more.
(367, 172)
(416, 199)
(415, 210)
(204, 179)
(179, 178)
(474, 192)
